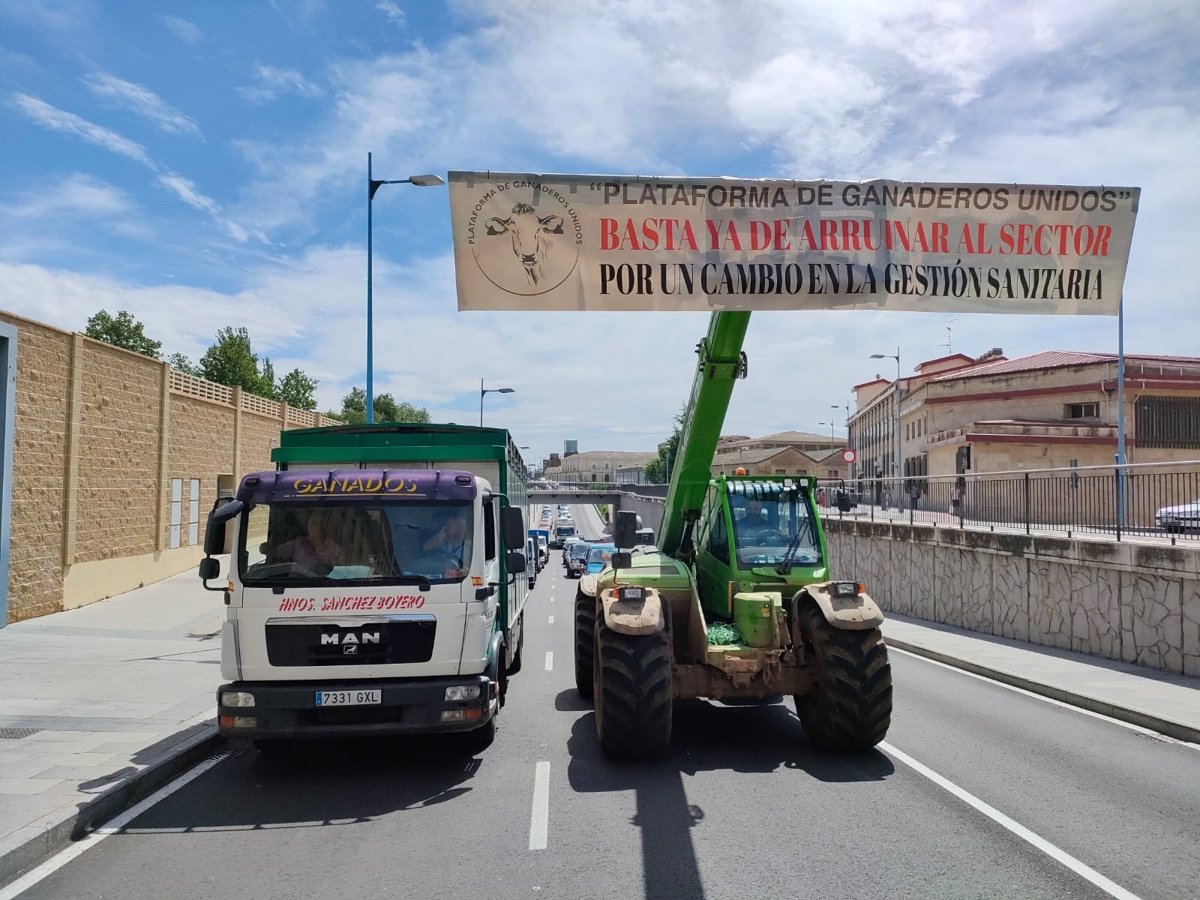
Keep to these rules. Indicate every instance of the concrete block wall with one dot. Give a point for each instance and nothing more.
(1135, 603)
(99, 433)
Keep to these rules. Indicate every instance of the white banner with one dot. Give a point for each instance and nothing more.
(579, 242)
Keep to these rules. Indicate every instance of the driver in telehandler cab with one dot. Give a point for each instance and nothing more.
(753, 523)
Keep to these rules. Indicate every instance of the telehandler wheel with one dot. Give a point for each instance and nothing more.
(585, 622)
(633, 693)
(850, 708)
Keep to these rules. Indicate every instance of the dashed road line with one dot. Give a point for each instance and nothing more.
(539, 817)
(1056, 853)
(551, 621)
(549, 660)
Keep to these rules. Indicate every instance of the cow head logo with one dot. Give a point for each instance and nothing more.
(522, 249)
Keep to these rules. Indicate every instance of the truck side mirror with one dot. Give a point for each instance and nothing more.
(626, 532)
(621, 560)
(514, 562)
(512, 525)
(209, 568)
(214, 532)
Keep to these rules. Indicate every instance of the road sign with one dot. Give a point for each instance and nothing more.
(849, 456)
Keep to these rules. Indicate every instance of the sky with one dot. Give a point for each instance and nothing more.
(204, 164)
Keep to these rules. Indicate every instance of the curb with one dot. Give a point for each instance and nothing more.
(19, 859)
(1175, 730)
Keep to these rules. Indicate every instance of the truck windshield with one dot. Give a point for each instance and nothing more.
(767, 518)
(377, 543)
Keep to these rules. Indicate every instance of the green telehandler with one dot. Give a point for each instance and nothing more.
(734, 602)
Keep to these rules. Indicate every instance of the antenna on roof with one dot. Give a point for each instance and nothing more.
(949, 345)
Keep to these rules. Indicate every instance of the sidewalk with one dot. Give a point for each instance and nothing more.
(100, 706)
(105, 703)
(1162, 702)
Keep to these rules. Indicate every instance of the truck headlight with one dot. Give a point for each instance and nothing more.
(237, 698)
(462, 692)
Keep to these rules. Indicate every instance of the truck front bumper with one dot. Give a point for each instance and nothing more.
(409, 706)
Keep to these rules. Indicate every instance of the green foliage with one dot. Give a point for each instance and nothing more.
(354, 409)
(231, 361)
(658, 470)
(296, 389)
(180, 363)
(123, 330)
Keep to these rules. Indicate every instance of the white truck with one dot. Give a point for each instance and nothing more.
(370, 599)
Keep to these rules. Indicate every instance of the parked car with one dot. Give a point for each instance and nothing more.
(1179, 518)
(598, 557)
(577, 559)
(531, 554)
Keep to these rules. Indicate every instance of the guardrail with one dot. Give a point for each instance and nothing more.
(1121, 501)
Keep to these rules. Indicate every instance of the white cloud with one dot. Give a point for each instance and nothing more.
(183, 29)
(392, 10)
(60, 120)
(274, 82)
(141, 101)
(77, 195)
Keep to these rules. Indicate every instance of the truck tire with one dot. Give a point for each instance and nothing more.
(850, 708)
(632, 676)
(585, 624)
(515, 665)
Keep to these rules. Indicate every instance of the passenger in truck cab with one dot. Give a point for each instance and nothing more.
(322, 544)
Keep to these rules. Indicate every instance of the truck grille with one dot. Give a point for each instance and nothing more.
(407, 640)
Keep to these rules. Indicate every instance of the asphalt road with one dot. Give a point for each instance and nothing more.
(742, 808)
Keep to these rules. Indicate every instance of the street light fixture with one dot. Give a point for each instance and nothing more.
(373, 185)
(483, 392)
(896, 438)
(832, 439)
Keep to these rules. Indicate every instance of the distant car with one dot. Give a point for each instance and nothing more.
(577, 559)
(1179, 518)
(566, 548)
(599, 556)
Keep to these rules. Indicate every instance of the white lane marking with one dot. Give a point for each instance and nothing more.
(1109, 887)
(539, 817)
(56, 862)
(549, 660)
(551, 622)
(1019, 690)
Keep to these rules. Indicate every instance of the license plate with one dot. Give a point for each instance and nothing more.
(349, 698)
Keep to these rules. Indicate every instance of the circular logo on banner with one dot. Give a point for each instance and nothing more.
(522, 249)
(849, 456)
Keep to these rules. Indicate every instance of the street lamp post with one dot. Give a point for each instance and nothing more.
(896, 438)
(373, 185)
(846, 407)
(832, 439)
(483, 392)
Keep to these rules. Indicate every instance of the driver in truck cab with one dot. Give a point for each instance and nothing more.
(451, 539)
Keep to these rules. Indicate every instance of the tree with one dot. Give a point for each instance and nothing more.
(231, 361)
(354, 409)
(123, 330)
(658, 470)
(180, 363)
(296, 389)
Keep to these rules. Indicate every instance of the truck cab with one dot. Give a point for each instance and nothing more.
(365, 601)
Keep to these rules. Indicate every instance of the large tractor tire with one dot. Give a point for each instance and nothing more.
(850, 707)
(585, 623)
(633, 693)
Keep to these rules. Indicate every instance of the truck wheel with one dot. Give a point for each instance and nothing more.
(515, 666)
(850, 708)
(632, 676)
(483, 736)
(585, 624)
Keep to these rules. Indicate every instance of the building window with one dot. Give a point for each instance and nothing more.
(1083, 410)
(1168, 423)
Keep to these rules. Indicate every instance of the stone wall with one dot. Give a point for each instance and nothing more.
(1137, 603)
(99, 433)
